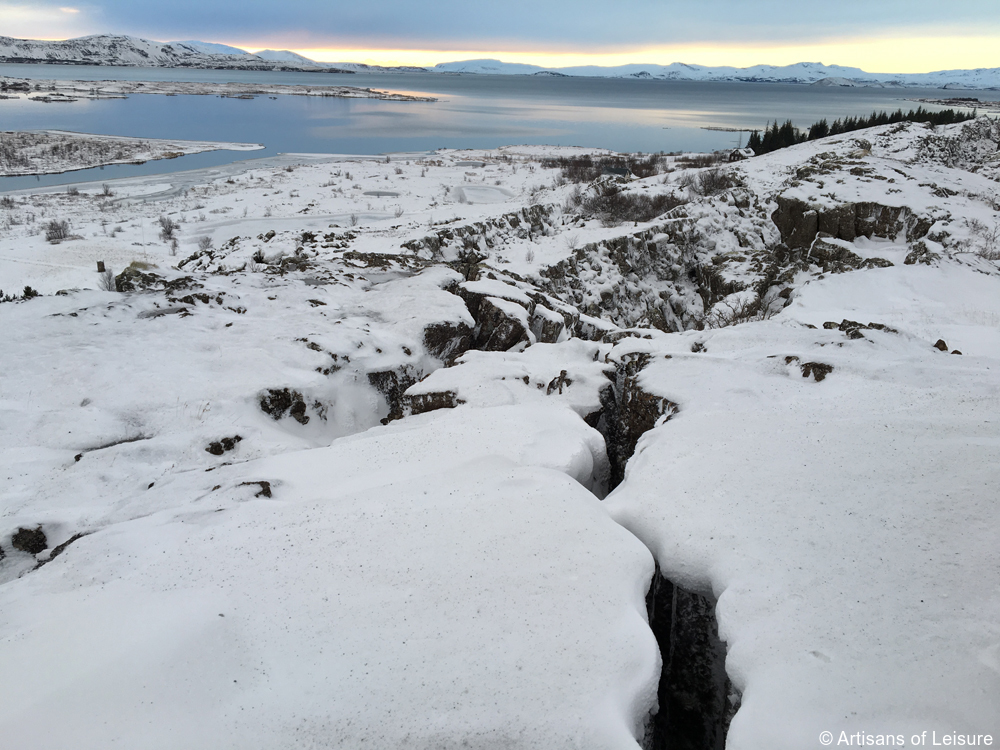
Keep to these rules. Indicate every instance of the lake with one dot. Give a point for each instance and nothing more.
(473, 111)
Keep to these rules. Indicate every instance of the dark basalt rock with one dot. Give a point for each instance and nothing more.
(818, 370)
(696, 699)
(940, 344)
(837, 259)
(921, 254)
(218, 447)
(628, 412)
(279, 402)
(448, 341)
(31, 541)
(393, 384)
(546, 325)
(264, 488)
(498, 331)
(425, 402)
(799, 223)
(137, 280)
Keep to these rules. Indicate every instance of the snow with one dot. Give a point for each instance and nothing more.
(34, 149)
(814, 73)
(377, 597)
(132, 51)
(848, 527)
(451, 578)
(73, 90)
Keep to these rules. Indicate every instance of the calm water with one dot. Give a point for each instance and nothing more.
(472, 112)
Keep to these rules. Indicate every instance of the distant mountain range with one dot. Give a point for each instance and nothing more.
(134, 52)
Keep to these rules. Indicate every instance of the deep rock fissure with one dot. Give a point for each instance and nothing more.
(696, 700)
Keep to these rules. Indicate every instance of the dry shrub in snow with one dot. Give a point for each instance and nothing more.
(743, 309)
(56, 231)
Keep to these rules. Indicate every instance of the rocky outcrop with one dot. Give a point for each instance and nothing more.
(226, 444)
(834, 258)
(921, 254)
(392, 384)
(448, 341)
(524, 224)
(500, 326)
(799, 222)
(425, 402)
(137, 279)
(31, 541)
(281, 402)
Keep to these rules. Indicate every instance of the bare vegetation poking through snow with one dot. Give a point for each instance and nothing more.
(46, 152)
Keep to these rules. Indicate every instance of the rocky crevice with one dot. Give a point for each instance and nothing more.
(696, 700)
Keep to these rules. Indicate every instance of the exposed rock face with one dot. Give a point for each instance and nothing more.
(31, 541)
(921, 254)
(447, 341)
(425, 402)
(499, 329)
(136, 280)
(547, 325)
(628, 412)
(818, 370)
(392, 384)
(837, 259)
(696, 699)
(521, 224)
(799, 223)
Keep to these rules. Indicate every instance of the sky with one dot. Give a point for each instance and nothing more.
(884, 36)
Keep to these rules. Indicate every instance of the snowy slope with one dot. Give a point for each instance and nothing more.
(213, 48)
(104, 49)
(436, 365)
(846, 525)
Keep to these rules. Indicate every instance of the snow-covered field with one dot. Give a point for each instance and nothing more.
(342, 462)
(50, 151)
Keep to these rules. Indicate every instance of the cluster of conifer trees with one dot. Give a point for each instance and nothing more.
(777, 136)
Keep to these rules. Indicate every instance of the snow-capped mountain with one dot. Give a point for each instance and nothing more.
(129, 51)
(805, 72)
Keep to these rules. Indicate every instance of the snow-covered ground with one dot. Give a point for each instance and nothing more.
(50, 151)
(340, 463)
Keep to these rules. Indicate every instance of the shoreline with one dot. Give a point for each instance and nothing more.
(71, 90)
(43, 147)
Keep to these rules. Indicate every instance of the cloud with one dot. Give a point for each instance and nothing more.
(40, 21)
(554, 24)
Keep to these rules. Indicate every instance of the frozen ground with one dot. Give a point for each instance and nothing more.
(343, 461)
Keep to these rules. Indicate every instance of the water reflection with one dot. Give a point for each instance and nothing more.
(472, 112)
